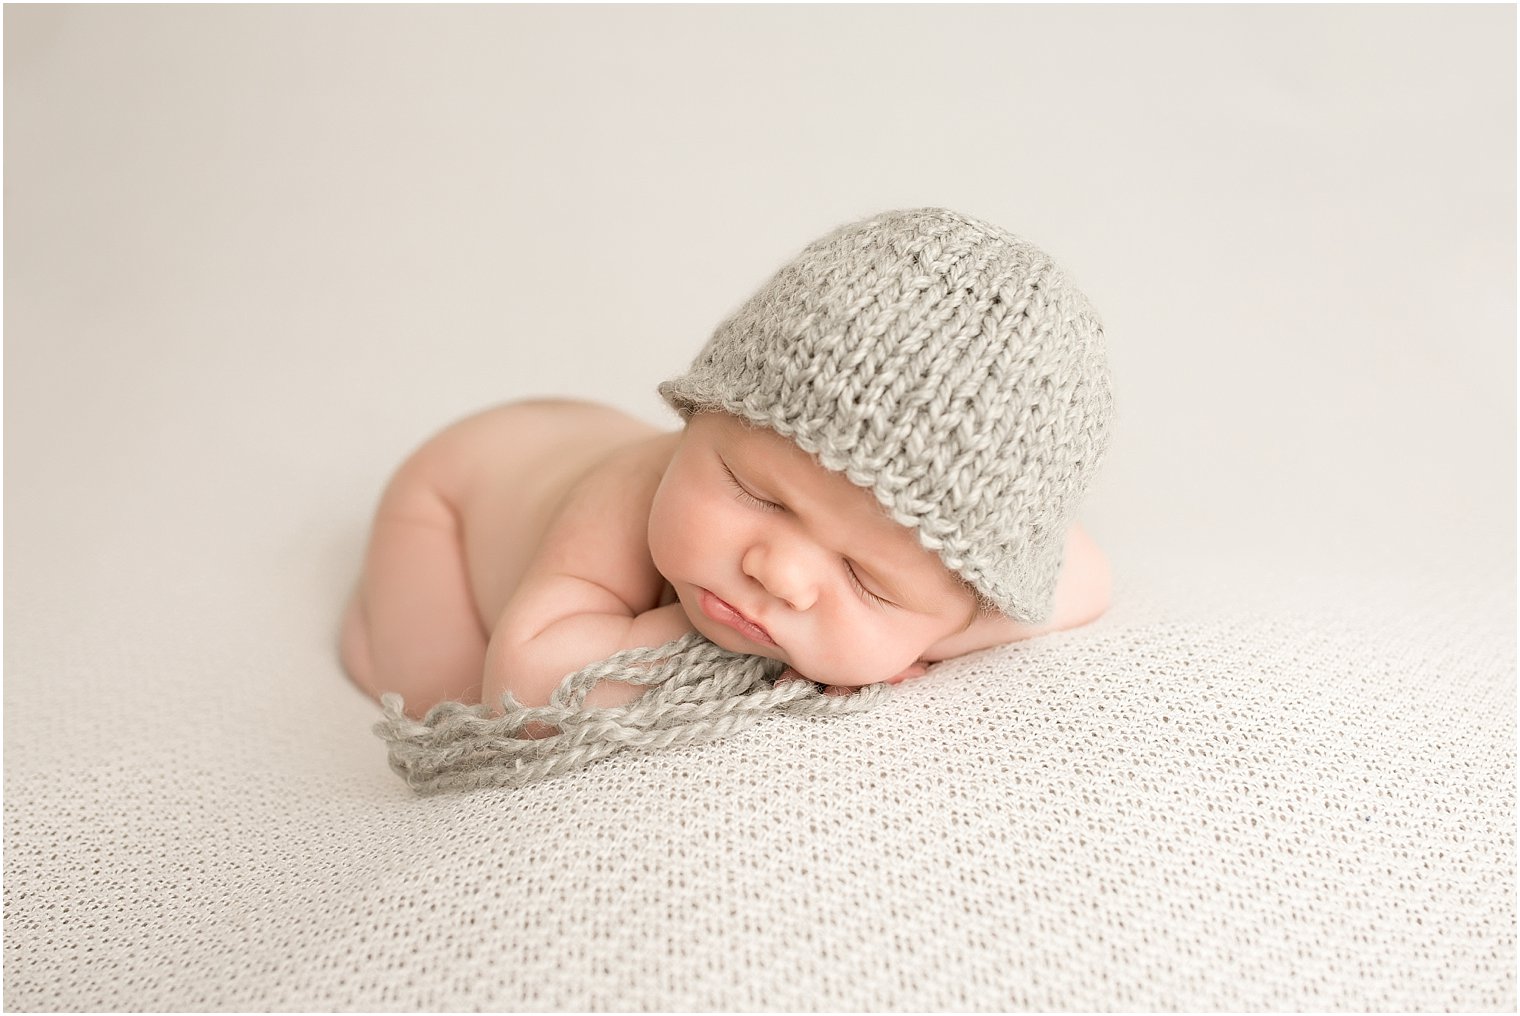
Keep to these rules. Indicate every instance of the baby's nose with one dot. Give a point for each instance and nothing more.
(785, 576)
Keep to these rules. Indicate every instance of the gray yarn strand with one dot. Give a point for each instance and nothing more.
(697, 691)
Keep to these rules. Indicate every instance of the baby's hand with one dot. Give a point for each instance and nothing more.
(918, 668)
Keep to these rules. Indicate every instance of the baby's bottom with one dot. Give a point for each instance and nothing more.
(411, 625)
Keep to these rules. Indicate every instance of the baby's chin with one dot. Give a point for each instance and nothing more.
(731, 640)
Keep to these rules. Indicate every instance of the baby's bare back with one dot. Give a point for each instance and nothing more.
(509, 472)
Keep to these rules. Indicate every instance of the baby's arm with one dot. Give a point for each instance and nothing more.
(591, 590)
(594, 624)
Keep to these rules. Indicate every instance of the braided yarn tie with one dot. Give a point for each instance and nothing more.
(697, 691)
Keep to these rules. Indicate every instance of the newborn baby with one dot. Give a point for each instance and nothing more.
(881, 454)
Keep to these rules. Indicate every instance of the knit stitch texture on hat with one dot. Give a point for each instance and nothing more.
(941, 362)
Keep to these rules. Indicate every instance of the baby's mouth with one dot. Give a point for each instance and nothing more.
(723, 612)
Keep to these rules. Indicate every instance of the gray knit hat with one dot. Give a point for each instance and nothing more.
(942, 363)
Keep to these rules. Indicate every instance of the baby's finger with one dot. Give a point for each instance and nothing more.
(912, 671)
(837, 689)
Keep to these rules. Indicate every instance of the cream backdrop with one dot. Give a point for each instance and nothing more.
(254, 254)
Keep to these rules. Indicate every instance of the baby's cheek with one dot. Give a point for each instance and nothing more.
(679, 519)
(865, 657)
(659, 548)
(664, 540)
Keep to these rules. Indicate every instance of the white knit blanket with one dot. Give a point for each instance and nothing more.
(253, 253)
(1300, 798)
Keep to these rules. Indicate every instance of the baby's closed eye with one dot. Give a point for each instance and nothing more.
(745, 496)
(870, 597)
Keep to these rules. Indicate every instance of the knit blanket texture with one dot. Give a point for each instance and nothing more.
(697, 691)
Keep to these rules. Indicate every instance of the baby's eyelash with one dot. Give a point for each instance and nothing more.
(875, 600)
(746, 496)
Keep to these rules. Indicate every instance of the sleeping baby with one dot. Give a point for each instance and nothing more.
(881, 456)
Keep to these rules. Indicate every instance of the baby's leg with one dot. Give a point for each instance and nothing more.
(411, 626)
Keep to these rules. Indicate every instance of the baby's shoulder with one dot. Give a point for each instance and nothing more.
(595, 543)
(620, 475)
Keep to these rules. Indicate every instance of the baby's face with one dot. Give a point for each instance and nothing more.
(844, 595)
